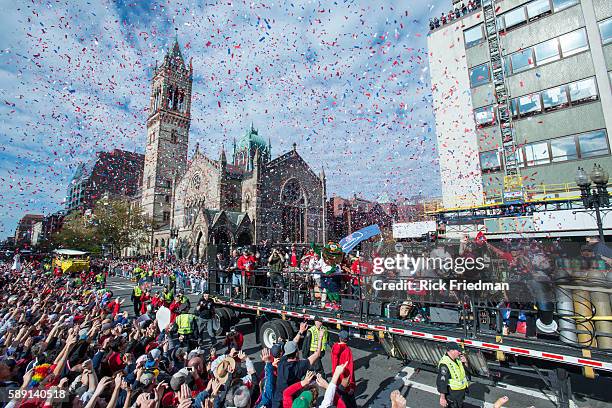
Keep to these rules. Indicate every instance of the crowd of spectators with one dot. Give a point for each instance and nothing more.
(454, 14)
(68, 341)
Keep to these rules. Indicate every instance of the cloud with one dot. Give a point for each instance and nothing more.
(347, 81)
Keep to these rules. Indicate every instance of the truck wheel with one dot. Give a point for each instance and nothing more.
(289, 332)
(224, 323)
(233, 316)
(270, 332)
(227, 322)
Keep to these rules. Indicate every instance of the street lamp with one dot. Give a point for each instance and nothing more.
(594, 198)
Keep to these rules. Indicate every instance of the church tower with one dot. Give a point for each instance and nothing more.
(167, 134)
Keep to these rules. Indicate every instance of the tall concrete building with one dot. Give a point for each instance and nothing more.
(167, 134)
(522, 97)
(116, 173)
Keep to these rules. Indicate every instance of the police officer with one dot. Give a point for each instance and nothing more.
(311, 343)
(206, 311)
(187, 327)
(168, 295)
(136, 294)
(452, 380)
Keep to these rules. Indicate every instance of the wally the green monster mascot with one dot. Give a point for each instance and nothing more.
(331, 278)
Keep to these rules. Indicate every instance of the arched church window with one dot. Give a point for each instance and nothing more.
(181, 101)
(163, 243)
(173, 136)
(247, 201)
(196, 181)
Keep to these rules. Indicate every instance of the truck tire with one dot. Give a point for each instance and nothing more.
(270, 332)
(224, 321)
(233, 316)
(289, 332)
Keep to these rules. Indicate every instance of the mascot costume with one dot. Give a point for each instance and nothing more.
(331, 276)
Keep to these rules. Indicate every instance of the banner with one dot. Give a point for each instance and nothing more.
(351, 241)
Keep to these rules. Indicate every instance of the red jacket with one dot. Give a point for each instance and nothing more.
(143, 305)
(113, 307)
(247, 263)
(238, 339)
(340, 354)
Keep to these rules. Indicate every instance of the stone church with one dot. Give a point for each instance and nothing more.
(202, 202)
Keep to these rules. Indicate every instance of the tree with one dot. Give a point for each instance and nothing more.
(78, 232)
(119, 226)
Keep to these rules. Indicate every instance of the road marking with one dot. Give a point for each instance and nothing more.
(409, 371)
(532, 393)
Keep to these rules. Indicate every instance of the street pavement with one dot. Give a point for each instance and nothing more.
(378, 375)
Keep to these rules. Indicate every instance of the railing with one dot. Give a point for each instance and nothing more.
(536, 193)
(575, 303)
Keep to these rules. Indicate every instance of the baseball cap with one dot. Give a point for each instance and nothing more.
(147, 378)
(303, 401)
(343, 335)
(453, 346)
(290, 347)
(242, 397)
(277, 350)
(155, 354)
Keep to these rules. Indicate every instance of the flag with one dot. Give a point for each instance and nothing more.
(480, 238)
(351, 241)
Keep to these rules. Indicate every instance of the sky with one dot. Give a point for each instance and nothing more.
(348, 81)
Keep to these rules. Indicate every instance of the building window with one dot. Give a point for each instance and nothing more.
(537, 9)
(563, 149)
(166, 216)
(473, 36)
(522, 60)
(574, 42)
(536, 154)
(593, 144)
(167, 198)
(562, 4)
(168, 184)
(485, 116)
(149, 182)
(173, 136)
(583, 91)
(529, 104)
(605, 29)
(514, 18)
(479, 75)
(489, 161)
(555, 98)
(547, 51)
(514, 108)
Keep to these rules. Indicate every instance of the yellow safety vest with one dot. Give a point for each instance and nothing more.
(137, 291)
(458, 380)
(184, 323)
(314, 338)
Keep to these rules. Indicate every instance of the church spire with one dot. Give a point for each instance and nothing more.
(223, 159)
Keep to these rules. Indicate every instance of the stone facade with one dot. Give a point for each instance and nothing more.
(218, 203)
(167, 135)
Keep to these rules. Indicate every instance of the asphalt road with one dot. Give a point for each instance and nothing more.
(378, 375)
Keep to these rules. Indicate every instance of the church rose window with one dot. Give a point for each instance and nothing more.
(292, 192)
